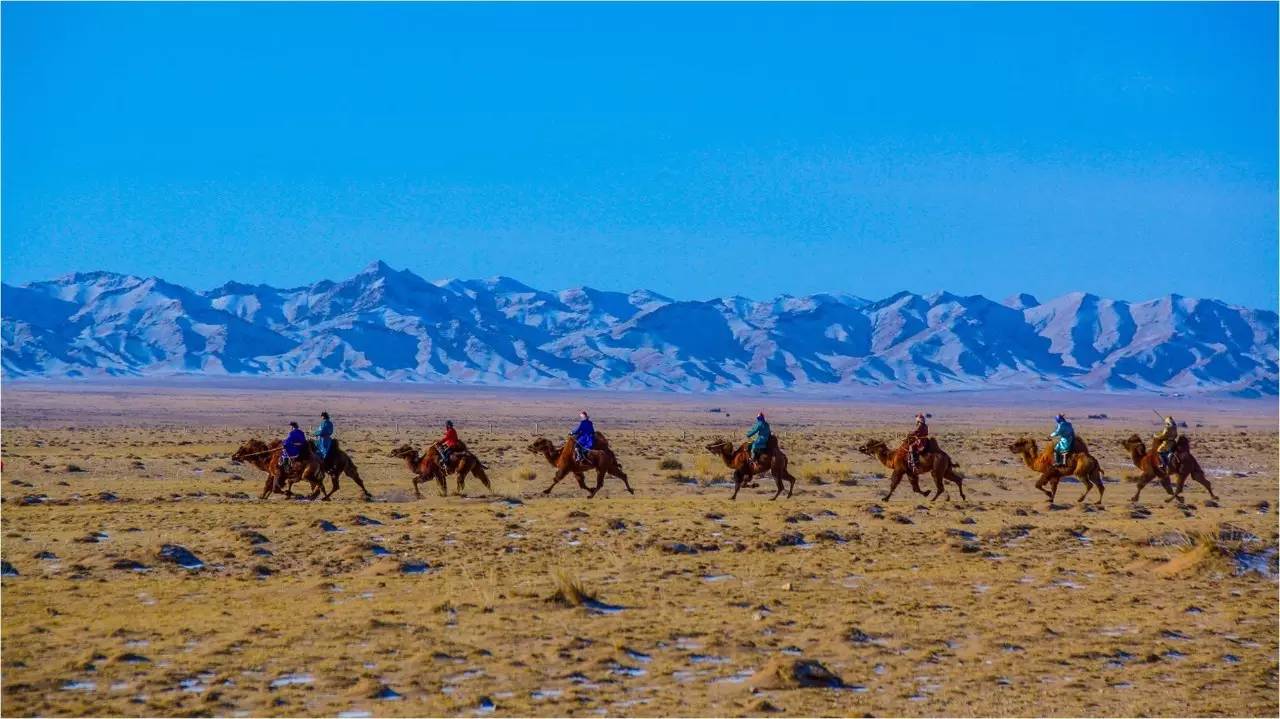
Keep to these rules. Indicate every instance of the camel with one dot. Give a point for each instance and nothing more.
(600, 458)
(1083, 466)
(427, 467)
(1149, 464)
(1184, 465)
(266, 457)
(932, 460)
(745, 469)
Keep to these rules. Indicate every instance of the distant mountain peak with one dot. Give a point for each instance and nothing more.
(1021, 301)
(388, 324)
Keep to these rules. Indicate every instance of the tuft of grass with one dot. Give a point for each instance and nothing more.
(525, 473)
(670, 463)
(570, 591)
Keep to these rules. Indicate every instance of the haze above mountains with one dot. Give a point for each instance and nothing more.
(385, 324)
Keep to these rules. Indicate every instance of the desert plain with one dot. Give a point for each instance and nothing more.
(144, 576)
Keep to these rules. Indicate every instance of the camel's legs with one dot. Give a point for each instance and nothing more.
(1143, 481)
(561, 474)
(617, 472)
(738, 481)
(417, 478)
(1045, 479)
(938, 475)
(959, 485)
(480, 474)
(1197, 477)
(894, 479)
(777, 480)
(915, 483)
(355, 476)
(1088, 487)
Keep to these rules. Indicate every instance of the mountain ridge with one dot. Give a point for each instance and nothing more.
(394, 325)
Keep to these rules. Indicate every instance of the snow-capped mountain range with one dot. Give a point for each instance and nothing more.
(384, 324)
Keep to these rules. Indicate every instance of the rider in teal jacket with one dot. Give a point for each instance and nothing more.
(760, 431)
(1066, 436)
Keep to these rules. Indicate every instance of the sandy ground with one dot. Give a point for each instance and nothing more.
(1001, 604)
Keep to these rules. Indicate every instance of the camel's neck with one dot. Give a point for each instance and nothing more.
(1029, 455)
(885, 456)
(726, 454)
(1137, 452)
(550, 452)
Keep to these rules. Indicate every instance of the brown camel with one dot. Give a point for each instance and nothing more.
(266, 457)
(932, 460)
(1082, 466)
(600, 458)
(1184, 465)
(745, 469)
(427, 467)
(1149, 464)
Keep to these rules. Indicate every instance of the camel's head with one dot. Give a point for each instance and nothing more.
(1134, 442)
(541, 445)
(873, 447)
(249, 450)
(1023, 445)
(403, 451)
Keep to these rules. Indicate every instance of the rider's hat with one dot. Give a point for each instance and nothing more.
(293, 424)
(325, 415)
(1060, 418)
(448, 423)
(583, 413)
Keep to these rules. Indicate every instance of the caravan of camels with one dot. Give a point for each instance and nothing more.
(585, 450)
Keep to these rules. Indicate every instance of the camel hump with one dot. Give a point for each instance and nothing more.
(1183, 443)
(772, 444)
(601, 441)
(1078, 445)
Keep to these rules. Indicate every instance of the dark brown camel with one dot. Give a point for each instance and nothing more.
(1148, 463)
(932, 460)
(427, 467)
(1082, 466)
(1184, 465)
(600, 458)
(745, 469)
(266, 457)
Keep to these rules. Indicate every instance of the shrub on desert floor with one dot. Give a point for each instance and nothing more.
(569, 589)
(670, 463)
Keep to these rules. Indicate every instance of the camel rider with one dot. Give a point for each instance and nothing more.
(584, 437)
(293, 445)
(448, 442)
(916, 440)
(761, 432)
(1066, 436)
(323, 436)
(1165, 439)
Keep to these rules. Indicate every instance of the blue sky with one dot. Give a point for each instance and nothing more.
(698, 150)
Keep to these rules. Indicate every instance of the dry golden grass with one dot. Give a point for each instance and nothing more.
(674, 599)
